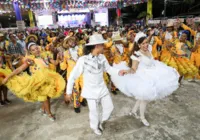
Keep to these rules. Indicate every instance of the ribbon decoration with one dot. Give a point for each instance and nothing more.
(17, 11)
(59, 5)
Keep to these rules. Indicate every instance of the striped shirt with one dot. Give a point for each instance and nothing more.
(15, 49)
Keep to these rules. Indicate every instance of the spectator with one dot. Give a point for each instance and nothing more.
(21, 40)
(14, 47)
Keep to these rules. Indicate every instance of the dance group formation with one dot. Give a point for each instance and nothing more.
(87, 64)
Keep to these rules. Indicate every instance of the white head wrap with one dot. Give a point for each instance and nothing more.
(30, 44)
(139, 35)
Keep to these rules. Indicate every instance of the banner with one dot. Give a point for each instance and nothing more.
(30, 15)
(154, 22)
(17, 11)
(59, 5)
(149, 9)
(196, 19)
(20, 25)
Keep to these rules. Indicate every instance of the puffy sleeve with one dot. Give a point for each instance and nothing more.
(135, 58)
(150, 48)
(108, 44)
(185, 27)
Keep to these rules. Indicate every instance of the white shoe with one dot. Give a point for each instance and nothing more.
(98, 132)
(101, 126)
(145, 122)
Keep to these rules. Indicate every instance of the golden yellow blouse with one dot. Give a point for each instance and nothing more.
(118, 57)
(107, 50)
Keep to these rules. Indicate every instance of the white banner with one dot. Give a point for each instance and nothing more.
(175, 20)
(197, 19)
(163, 22)
(20, 25)
(153, 21)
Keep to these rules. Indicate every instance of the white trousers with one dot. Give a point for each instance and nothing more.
(95, 114)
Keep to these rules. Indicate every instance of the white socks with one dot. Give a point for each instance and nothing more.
(140, 104)
(136, 107)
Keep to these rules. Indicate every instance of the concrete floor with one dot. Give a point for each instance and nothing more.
(174, 118)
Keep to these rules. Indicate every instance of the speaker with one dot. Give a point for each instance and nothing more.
(56, 16)
(92, 15)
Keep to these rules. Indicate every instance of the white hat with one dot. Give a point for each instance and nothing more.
(116, 36)
(31, 44)
(139, 35)
(103, 32)
(96, 39)
(149, 29)
(170, 24)
(1, 35)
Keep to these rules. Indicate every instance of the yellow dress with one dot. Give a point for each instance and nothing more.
(3, 48)
(182, 64)
(3, 45)
(164, 51)
(41, 84)
(195, 59)
(107, 50)
(157, 42)
(48, 54)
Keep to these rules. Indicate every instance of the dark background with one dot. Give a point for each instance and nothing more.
(130, 14)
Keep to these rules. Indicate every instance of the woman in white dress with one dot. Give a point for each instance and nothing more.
(148, 80)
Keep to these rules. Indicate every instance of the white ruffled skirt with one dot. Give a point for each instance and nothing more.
(148, 83)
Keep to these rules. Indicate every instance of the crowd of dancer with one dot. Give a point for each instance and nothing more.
(147, 63)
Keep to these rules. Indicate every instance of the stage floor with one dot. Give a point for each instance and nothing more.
(174, 118)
